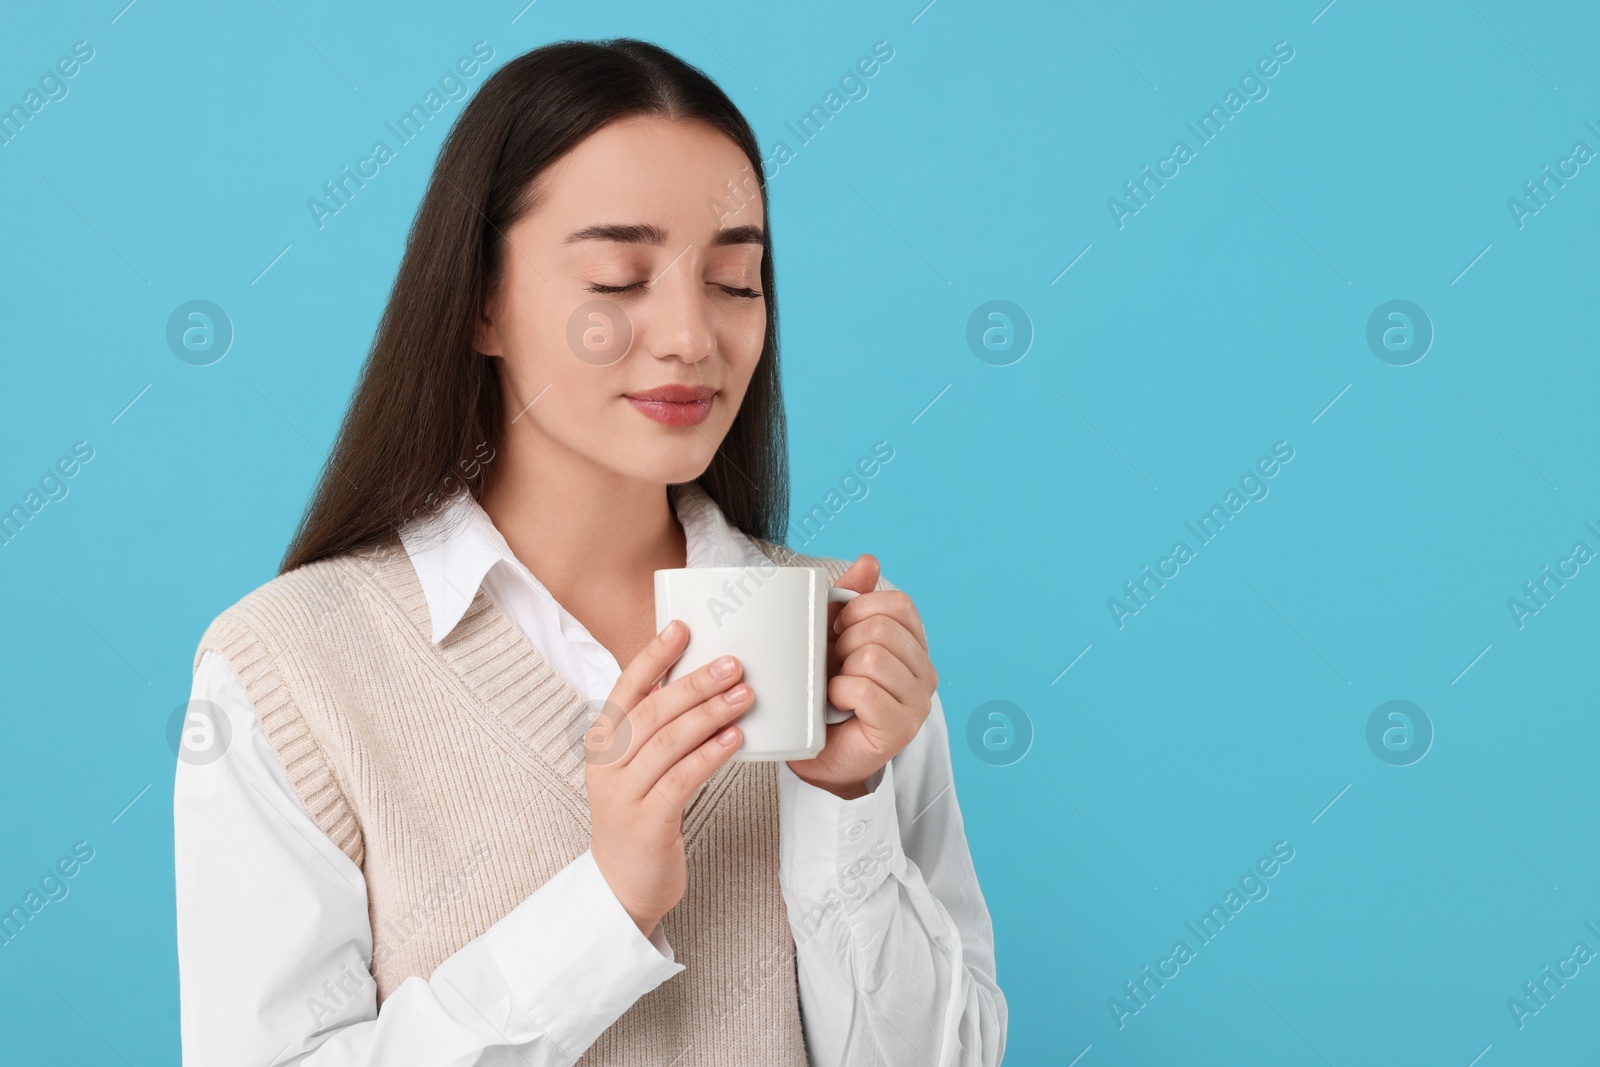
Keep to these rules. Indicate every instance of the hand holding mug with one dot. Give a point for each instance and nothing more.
(885, 677)
(647, 754)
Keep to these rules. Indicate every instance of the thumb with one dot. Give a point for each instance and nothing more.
(862, 575)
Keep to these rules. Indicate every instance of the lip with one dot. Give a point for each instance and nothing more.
(674, 405)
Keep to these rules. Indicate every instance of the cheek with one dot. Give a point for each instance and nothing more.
(740, 340)
(538, 351)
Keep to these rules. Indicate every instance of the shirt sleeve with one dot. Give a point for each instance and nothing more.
(274, 936)
(893, 941)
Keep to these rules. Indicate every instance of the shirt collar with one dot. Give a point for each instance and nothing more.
(454, 548)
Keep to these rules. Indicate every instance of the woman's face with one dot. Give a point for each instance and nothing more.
(639, 271)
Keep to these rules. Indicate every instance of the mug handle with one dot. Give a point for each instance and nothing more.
(830, 714)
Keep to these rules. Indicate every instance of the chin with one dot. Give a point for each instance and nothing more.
(667, 461)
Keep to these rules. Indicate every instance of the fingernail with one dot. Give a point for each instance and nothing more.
(738, 694)
(723, 668)
(728, 736)
(667, 630)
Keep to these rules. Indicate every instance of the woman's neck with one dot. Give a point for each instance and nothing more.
(593, 537)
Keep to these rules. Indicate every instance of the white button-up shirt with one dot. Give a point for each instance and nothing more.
(894, 946)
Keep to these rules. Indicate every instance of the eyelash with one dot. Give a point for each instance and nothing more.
(747, 294)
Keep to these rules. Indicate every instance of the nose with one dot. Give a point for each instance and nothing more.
(681, 315)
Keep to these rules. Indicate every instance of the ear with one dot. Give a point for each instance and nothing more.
(486, 334)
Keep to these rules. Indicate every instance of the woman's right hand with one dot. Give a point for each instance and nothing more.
(647, 753)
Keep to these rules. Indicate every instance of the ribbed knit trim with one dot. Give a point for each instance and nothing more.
(238, 634)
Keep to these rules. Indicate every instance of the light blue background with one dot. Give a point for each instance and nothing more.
(1224, 316)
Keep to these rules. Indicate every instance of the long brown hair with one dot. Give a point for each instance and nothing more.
(427, 404)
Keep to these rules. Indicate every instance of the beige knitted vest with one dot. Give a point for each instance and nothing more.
(453, 776)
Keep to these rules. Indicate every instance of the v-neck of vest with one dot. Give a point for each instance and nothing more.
(524, 702)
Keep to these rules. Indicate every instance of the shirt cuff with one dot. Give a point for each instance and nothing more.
(573, 959)
(833, 853)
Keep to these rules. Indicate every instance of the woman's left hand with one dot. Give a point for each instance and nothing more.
(884, 676)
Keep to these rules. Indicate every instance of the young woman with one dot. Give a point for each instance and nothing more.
(404, 843)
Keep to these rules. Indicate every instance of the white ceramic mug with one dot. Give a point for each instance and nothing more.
(775, 621)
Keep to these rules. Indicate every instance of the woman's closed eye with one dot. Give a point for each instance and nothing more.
(744, 292)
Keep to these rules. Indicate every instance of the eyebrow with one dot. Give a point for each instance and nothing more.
(646, 233)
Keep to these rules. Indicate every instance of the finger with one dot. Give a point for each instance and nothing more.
(877, 664)
(664, 705)
(681, 735)
(678, 785)
(883, 630)
(638, 678)
(894, 603)
(862, 575)
(865, 697)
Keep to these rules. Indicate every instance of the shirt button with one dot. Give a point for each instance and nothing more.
(855, 830)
